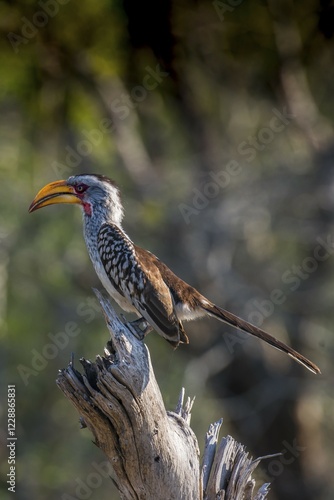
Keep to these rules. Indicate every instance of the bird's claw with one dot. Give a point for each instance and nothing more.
(139, 328)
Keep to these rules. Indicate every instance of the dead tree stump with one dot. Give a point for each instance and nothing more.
(153, 452)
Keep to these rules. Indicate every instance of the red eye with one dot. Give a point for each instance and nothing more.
(81, 188)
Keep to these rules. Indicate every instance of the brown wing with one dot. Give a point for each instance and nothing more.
(180, 290)
(134, 275)
(157, 306)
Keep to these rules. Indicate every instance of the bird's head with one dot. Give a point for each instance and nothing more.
(98, 196)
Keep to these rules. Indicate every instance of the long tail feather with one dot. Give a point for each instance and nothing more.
(243, 325)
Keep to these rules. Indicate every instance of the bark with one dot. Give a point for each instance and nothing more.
(153, 452)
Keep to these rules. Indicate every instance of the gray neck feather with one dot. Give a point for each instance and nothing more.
(106, 210)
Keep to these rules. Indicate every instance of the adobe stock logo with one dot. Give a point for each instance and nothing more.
(265, 135)
(30, 27)
(249, 149)
(57, 342)
(211, 189)
(121, 108)
(289, 454)
(94, 480)
(291, 279)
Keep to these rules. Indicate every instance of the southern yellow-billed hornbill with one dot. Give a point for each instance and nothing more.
(134, 277)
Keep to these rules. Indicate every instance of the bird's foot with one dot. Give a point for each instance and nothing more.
(139, 328)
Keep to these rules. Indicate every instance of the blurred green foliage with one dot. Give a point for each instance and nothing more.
(162, 97)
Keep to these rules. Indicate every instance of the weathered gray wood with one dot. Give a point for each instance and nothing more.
(227, 469)
(154, 453)
(210, 448)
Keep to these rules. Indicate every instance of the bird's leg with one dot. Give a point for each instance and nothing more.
(139, 327)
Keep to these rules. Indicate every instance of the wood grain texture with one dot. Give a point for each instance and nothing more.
(153, 452)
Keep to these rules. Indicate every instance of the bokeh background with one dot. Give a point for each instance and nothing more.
(216, 120)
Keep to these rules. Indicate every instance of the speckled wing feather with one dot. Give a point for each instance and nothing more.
(140, 283)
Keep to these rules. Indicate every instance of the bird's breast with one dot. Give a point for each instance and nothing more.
(104, 272)
(121, 300)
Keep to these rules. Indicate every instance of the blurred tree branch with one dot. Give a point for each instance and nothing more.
(294, 81)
